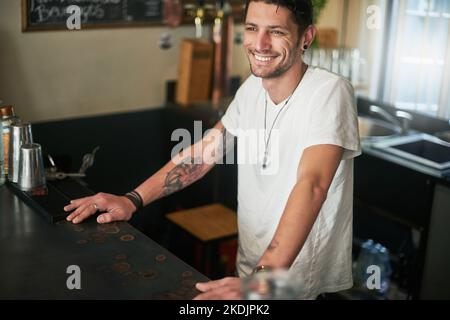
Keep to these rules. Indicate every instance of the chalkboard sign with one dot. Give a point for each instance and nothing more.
(52, 14)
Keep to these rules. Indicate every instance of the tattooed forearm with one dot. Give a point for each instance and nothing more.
(183, 175)
(215, 147)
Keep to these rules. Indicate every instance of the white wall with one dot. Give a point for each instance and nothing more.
(332, 16)
(61, 74)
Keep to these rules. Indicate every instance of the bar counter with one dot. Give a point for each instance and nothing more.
(116, 261)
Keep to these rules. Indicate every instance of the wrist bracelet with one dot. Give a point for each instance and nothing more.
(135, 198)
(262, 268)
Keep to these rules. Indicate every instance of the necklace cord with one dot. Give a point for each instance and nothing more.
(267, 140)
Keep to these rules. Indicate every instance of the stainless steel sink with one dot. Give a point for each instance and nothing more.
(422, 148)
(444, 136)
(373, 129)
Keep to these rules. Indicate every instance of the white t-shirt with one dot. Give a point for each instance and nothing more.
(322, 110)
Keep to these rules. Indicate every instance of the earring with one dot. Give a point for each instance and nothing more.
(305, 47)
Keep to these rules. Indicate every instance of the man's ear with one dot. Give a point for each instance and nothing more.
(308, 37)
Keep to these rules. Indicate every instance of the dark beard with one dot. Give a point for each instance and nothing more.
(275, 74)
(279, 71)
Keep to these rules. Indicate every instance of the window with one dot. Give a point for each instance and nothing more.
(418, 57)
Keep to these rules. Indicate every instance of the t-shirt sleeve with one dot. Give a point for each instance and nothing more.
(334, 118)
(231, 118)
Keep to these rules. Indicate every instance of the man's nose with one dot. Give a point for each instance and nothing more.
(263, 42)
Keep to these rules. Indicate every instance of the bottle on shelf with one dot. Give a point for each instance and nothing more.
(2, 170)
(7, 118)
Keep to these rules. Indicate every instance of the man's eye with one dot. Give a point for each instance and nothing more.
(250, 28)
(277, 32)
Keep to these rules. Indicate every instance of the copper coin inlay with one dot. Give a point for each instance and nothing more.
(108, 228)
(127, 237)
(148, 274)
(160, 258)
(77, 228)
(122, 267)
(186, 274)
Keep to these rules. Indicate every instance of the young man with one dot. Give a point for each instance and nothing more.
(295, 202)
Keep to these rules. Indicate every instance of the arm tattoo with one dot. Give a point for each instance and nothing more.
(191, 169)
(183, 175)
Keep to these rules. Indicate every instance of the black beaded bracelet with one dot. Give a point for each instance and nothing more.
(136, 198)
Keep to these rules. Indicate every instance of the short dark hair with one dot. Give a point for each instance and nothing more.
(301, 9)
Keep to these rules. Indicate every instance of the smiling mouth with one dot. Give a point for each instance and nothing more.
(261, 58)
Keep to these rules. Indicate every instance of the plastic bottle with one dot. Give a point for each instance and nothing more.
(383, 261)
(364, 260)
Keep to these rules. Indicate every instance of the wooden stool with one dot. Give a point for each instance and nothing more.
(211, 225)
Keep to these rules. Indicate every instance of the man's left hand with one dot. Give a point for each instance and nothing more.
(223, 289)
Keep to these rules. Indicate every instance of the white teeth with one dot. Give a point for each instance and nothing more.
(263, 59)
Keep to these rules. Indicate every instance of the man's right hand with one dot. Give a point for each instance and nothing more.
(116, 208)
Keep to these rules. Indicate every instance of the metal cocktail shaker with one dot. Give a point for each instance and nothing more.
(20, 134)
(31, 167)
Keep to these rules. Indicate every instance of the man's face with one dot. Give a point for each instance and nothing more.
(271, 40)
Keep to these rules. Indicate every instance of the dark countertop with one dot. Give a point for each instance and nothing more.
(116, 260)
